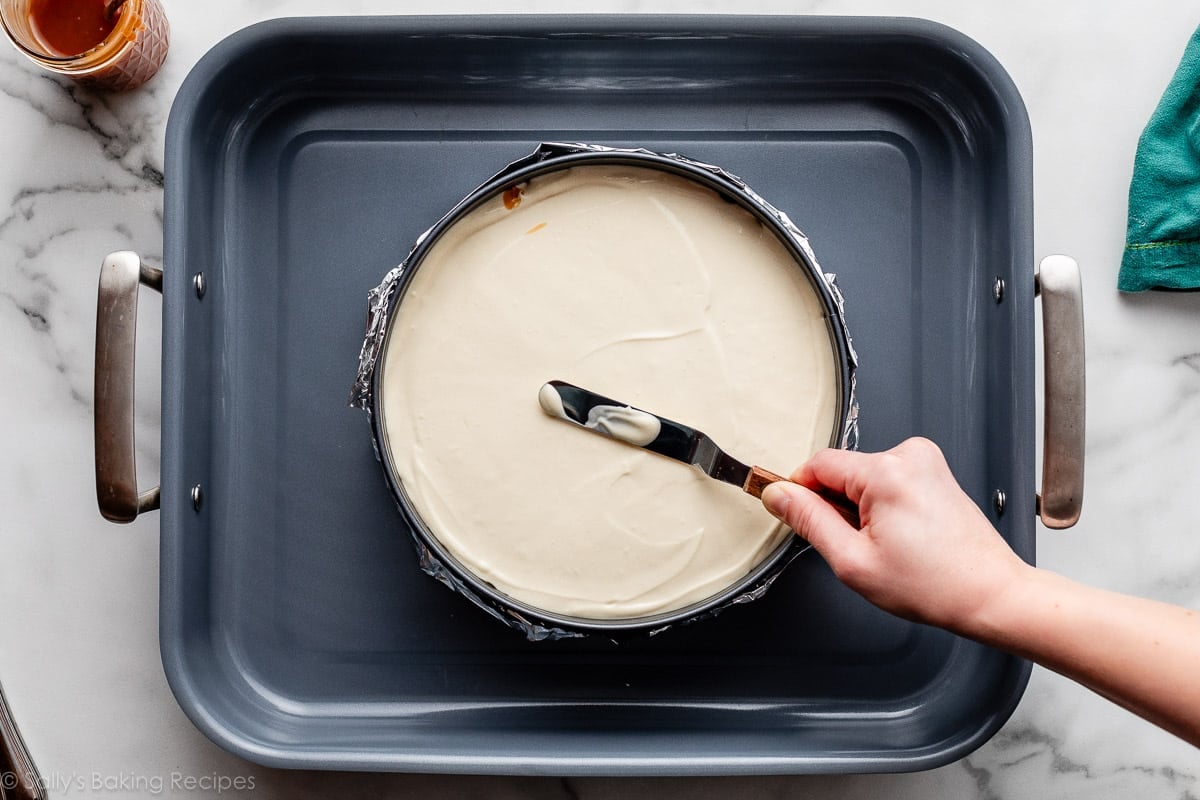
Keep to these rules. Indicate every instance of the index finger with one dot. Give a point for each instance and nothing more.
(841, 471)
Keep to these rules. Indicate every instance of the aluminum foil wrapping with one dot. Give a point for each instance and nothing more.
(381, 302)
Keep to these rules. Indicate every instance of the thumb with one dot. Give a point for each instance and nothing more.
(808, 514)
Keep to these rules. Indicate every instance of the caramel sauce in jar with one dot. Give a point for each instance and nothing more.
(81, 40)
(70, 27)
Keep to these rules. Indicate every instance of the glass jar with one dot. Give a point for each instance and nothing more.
(127, 57)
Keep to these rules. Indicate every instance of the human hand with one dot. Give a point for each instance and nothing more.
(924, 550)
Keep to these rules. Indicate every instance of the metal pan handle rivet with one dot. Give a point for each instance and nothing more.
(1061, 500)
(200, 285)
(999, 501)
(998, 287)
(116, 324)
(197, 497)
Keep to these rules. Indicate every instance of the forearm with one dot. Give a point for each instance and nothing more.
(1141, 654)
(924, 551)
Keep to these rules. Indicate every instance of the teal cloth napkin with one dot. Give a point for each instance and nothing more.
(1162, 242)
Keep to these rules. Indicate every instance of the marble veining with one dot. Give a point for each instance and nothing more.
(81, 174)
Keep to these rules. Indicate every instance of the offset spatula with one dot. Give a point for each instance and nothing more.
(666, 437)
(633, 426)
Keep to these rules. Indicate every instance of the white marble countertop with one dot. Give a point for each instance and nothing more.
(81, 175)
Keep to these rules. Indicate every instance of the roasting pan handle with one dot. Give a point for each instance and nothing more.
(1061, 498)
(116, 323)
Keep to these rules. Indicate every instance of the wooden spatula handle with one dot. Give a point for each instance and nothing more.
(758, 479)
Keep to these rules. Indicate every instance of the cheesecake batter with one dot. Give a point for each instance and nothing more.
(637, 284)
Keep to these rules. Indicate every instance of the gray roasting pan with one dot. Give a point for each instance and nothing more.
(304, 157)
